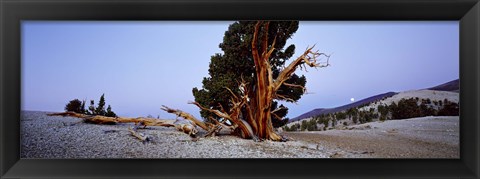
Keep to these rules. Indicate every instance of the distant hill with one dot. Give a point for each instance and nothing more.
(320, 111)
(453, 86)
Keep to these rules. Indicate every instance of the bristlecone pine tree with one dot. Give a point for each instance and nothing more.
(237, 61)
(243, 88)
(247, 80)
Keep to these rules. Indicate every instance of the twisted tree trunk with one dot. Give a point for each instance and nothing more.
(257, 98)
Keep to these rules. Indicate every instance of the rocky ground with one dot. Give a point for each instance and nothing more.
(45, 136)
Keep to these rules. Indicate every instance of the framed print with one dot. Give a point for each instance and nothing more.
(210, 88)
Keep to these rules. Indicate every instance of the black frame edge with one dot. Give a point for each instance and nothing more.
(12, 12)
(470, 36)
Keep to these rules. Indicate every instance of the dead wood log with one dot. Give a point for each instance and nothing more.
(186, 116)
(142, 137)
(114, 120)
(68, 113)
(140, 121)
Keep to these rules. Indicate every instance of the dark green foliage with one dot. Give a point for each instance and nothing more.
(236, 62)
(110, 113)
(325, 124)
(341, 115)
(281, 112)
(449, 109)
(74, 106)
(304, 125)
(406, 108)
(312, 125)
(427, 111)
(368, 116)
(295, 127)
(382, 118)
(100, 110)
(383, 110)
(101, 106)
(355, 119)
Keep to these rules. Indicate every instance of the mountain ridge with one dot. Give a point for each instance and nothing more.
(452, 86)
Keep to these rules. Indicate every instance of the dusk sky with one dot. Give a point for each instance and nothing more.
(143, 65)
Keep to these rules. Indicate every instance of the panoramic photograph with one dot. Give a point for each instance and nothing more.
(239, 89)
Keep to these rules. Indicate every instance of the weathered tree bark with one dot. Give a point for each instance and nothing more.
(266, 86)
(257, 99)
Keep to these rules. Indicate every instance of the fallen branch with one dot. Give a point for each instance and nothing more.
(140, 121)
(143, 137)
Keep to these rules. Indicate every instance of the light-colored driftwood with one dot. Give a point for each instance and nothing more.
(139, 121)
(142, 137)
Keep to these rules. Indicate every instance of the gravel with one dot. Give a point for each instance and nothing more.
(49, 137)
(52, 137)
(425, 137)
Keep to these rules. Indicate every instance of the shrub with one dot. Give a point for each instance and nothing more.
(406, 108)
(355, 119)
(74, 106)
(304, 125)
(341, 115)
(449, 109)
(383, 110)
(382, 118)
(325, 124)
(427, 111)
(110, 113)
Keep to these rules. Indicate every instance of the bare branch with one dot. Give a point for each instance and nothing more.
(295, 86)
(308, 57)
(282, 97)
(278, 109)
(186, 115)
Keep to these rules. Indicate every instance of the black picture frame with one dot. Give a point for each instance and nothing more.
(12, 12)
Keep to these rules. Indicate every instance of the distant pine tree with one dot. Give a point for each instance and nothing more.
(101, 106)
(82, 108)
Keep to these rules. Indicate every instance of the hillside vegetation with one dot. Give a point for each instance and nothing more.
(404, 105)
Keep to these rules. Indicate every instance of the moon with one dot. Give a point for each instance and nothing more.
(352, 99)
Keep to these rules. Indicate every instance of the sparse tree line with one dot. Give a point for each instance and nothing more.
(404, 109)
(78, 106)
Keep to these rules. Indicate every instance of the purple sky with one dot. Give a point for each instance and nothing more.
(143, 65)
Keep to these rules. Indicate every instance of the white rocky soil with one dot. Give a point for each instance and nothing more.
(49, 137)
